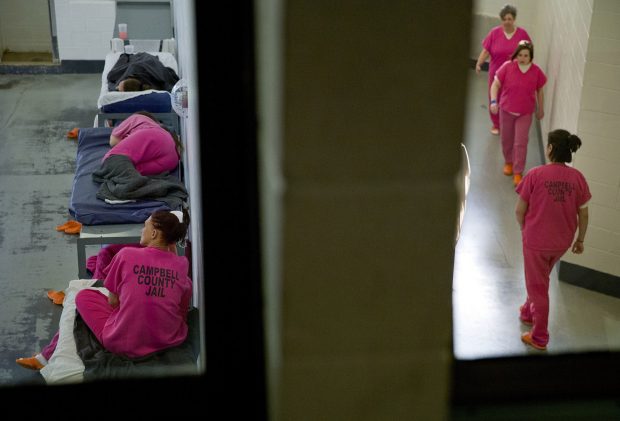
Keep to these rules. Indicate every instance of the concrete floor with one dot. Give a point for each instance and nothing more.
(37, 163)
(488, 275)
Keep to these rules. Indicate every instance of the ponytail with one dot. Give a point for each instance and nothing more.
(574, 143)
(173, 227)
(563, 145)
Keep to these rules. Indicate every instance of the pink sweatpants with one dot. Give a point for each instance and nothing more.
(515, 135)
(538, 267)
(94, 308)
(48, 351)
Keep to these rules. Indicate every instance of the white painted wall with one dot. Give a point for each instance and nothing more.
(598, 125)
(84, 28)
(560, 48)
(25, 26)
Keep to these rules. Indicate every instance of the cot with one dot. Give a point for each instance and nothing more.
(128, 102)
(103, 223)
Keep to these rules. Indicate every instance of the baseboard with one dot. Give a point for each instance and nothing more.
(65, 66)
(82, 66)
(541, 141)
(589, 279)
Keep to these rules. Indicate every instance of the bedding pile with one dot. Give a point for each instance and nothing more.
(146, 68)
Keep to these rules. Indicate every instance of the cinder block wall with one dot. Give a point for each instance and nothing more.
(562, 30)
(599, 128)
(84, 28)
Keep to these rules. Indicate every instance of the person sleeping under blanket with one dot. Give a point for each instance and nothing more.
(146, 69)
(138, 165)
(151, 147)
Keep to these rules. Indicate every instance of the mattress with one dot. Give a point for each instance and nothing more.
(84, 206)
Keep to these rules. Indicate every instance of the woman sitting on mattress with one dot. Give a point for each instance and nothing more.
(152, 148)
(150, 293)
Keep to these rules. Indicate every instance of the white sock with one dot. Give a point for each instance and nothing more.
(41, 359)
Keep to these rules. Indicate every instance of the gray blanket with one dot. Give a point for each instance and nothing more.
(121, 181)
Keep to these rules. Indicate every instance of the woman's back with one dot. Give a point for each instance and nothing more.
(154, 294)
(554, 193)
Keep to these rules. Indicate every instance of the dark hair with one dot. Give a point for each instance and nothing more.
(169, 225)
(508, 9)
(175, 137)
(132, 84)
(563, 144)
(524, 45)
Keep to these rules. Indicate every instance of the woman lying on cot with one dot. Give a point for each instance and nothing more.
(150, 294)
(152, 148)
(144, 67)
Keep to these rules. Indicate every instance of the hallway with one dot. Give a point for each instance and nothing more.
(488, 274)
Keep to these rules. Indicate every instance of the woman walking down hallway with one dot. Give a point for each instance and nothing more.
(552, 206)
(499, 44)
(521, 82)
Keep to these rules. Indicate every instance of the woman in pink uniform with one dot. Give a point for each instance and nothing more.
(499, 44)
(149, 295)
(521, 82)
(151, 147)
(552, 206)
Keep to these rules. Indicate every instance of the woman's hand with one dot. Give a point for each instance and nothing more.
(484, 54)
(114, 140)
(540, 113)
(577, 247)
(113, 300)
(494, 108)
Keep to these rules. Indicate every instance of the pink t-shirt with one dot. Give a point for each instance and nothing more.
(154, 293)
(518, 88)
(501, 48)
(150, 147)
(554, 193)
